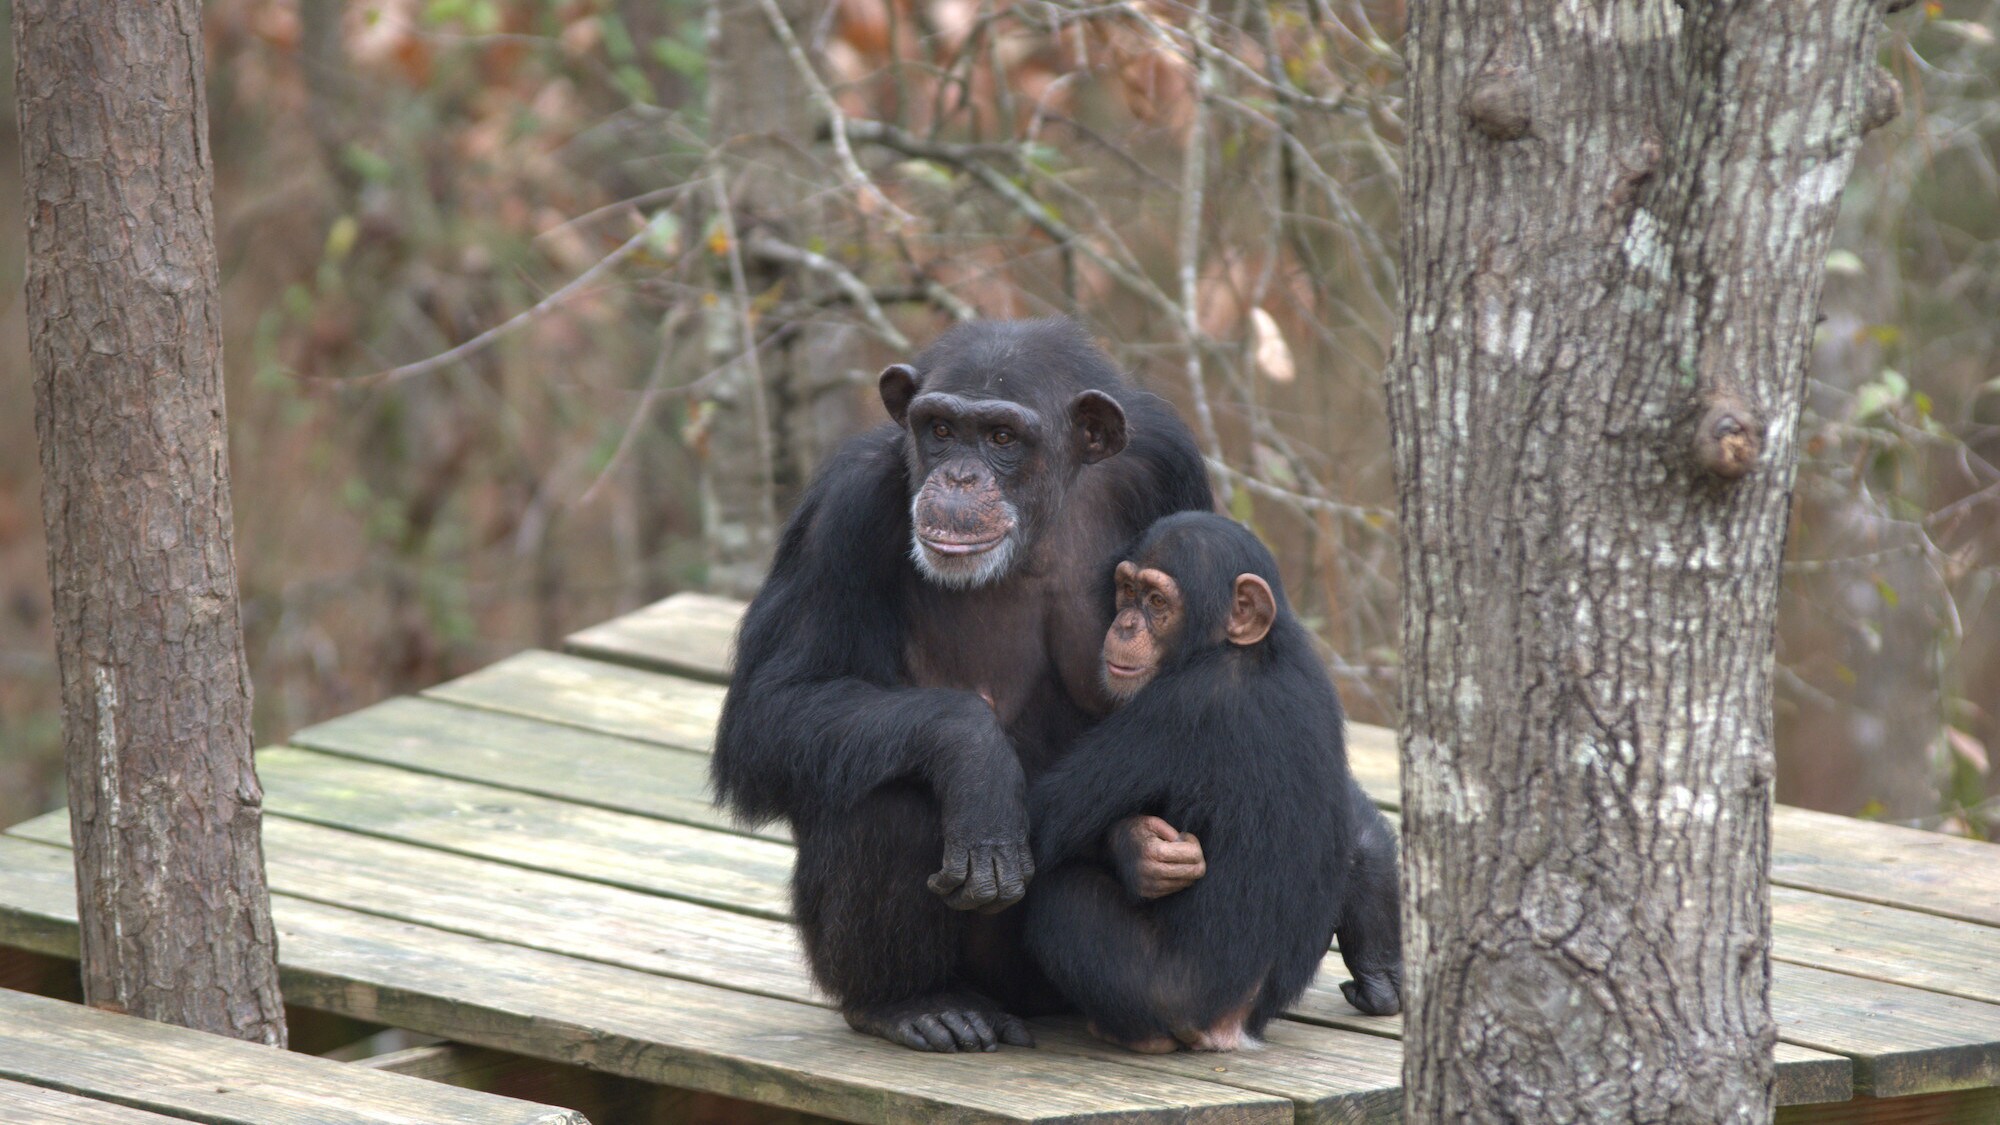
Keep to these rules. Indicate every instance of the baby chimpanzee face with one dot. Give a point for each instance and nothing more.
(1152, 628)
(1151, 613)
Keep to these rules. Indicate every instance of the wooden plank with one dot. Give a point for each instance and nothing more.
(21, 1104)
(531, 756)
(499, 902)
(1886, 864)
(194, 1075)
(639, 931)
(1902, 1041)
(1805, 1075)
(717, 868)
(1886, 943)
(1340, 1075)
(1814, 851)
(1372, 757)
(1332, 1078)
(594, 695)
(692, 635)
(1963, 1107)
(655, 1028)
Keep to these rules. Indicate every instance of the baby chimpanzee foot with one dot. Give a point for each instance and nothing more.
(1375, 994)
(944, 1021)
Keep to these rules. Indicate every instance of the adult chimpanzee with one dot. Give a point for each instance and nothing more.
(926, 642)
(1229, 728)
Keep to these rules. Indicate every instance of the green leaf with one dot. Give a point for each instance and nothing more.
(925, 172)
(617, 40)
(340, 238)
(1844, 263)
(1241, 509)
(663, 234)
(683, 59)
(369, 165)
(1886, 592)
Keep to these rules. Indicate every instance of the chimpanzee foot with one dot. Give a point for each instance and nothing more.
(1375, 994)
(1225, 1034)
(1157, 1045)
(943, 1021)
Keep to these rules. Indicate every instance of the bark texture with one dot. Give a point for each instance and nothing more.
(1616, 222)
(125, 331)
(762, 117)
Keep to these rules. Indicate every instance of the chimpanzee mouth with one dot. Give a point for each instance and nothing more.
(1121, 671)
(961, 546)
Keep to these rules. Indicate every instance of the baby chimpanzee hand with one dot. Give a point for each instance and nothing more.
(1153, 859)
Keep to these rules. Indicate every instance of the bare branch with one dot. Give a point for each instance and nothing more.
(775, 250)
(521, 319)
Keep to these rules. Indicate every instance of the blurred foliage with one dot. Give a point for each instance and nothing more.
(466, 244)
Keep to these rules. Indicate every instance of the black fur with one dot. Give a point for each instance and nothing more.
(1243, 747)
(854, 714)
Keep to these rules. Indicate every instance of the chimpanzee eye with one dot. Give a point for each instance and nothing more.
(941, 430)
(1157, 602)
(1003, 437)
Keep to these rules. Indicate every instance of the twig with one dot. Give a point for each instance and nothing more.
(1375, 519)
(772, 249)
(965, 157)
(656, 387)
(524, 317)
(1194, 177)
(836, 118)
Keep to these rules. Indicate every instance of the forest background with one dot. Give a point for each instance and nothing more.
(524, 328)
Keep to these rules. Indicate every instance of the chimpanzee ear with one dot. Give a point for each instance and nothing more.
(898, 385)
(1253, 612)
(1099, 425)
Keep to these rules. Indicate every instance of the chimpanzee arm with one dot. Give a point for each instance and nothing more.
(817, 715)
(1109, 776)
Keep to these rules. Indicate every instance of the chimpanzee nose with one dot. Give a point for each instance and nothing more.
(963, 478)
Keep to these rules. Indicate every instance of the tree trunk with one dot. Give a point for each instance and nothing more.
(125, 330)
(1616, 217)
(761, 121)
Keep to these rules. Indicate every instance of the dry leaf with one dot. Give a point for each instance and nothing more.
(1268, 348)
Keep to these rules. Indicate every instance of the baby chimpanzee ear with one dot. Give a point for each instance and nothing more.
(1253, 612)
(898, 386)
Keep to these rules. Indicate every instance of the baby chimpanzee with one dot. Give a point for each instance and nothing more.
(1230, 730)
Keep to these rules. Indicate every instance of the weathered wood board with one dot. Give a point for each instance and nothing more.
(593, 695)
(693, 635)
(646, 1026)
(643, 853)
(193, 1075)
(486, 899)
(31, 1105)
(532, 755)
(526, 860)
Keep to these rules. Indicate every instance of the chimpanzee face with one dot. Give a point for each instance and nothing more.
(991, 472)
(1156, 624)
(1150, 617)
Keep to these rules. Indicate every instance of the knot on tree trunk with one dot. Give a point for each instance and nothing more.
(1881, 99)
(1729, 438)
(1498, 103)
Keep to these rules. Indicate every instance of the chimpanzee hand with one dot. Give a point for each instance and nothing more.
(984, 806)
(1154, 860)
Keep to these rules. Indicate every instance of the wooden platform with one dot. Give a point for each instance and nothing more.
(65, 1064)
(526, 859)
